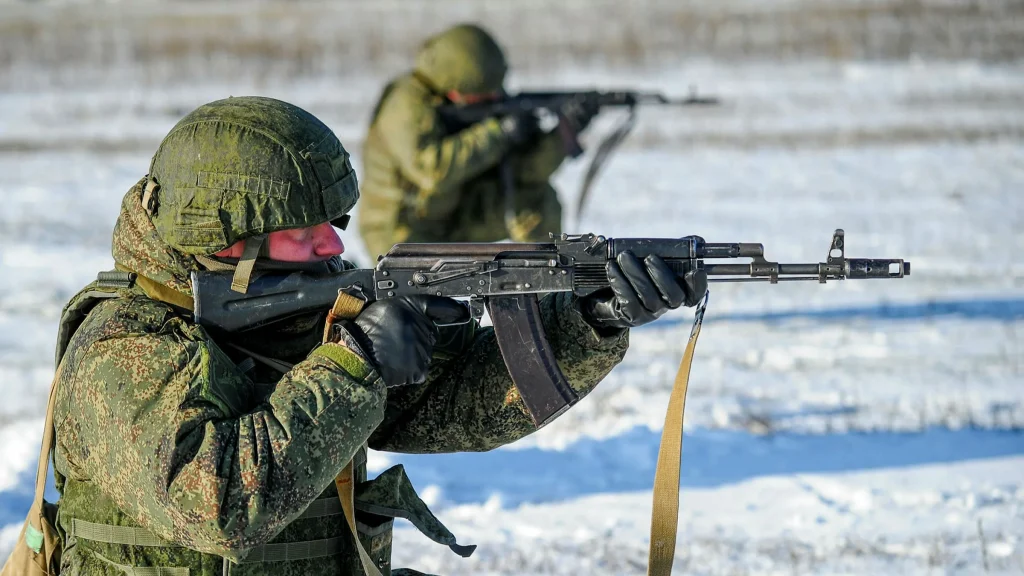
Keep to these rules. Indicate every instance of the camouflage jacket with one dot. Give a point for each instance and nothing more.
(172, 451)
(423, 182)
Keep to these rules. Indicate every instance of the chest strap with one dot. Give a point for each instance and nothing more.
(278, 552)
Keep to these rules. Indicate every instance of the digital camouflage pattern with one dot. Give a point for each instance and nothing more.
(239, 167)
(159, 427)
(427, 182)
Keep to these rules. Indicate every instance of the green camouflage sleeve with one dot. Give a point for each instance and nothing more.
(537, 164)
(163, 422)
(437, 164)
(469, 402)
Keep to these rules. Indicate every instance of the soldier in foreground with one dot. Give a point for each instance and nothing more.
(429, 182)
(180, 451)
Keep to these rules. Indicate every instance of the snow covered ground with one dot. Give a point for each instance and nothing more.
(856, 427)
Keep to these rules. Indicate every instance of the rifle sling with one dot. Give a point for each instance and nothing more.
(347, 308)
(158, 291)
(601, 155)
(665, 506)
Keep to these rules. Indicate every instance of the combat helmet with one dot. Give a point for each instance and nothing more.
(240, 168)
(244, 167)
(464, 58)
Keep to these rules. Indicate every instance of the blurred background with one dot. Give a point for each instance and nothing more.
(858, 427)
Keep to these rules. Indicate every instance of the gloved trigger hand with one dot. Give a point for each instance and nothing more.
(520, 128)
(397, 335)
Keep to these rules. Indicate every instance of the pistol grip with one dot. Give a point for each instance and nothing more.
(528, 357)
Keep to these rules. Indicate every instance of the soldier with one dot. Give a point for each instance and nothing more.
(183, 452)
(427, 182)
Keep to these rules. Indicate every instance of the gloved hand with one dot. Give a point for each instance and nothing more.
(579, 113)
(520, 128)
(641, 292)
(397, 335)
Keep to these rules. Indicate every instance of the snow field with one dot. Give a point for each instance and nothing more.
(851, 428)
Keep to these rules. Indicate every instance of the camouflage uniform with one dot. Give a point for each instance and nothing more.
(173, 451)
(424, 182)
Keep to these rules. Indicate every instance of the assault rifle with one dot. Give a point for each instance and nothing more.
(507, 279)
(562, 104)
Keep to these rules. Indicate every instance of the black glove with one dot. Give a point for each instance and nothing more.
(520, 128)
(641, 292)
(398, 335)
(579, 113)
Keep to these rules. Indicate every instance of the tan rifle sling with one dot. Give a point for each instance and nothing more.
(665, 506)
(665, 510)
(347, 308)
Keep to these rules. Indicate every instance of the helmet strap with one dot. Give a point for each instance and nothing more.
(243, 271)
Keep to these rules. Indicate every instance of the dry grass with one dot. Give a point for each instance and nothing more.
(176, 42)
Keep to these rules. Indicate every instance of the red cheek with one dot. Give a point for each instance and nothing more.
(305, 245)
(287, 246)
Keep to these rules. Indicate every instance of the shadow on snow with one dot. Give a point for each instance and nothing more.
(710, 458)
(626, 462)
(998, 309)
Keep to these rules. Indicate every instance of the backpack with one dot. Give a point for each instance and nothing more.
(38, 548)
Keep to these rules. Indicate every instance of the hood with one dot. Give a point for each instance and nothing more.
(464, 58)
(138, 248)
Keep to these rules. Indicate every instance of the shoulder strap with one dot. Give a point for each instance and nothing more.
(105, 287)
(44, 451)
(75, 313)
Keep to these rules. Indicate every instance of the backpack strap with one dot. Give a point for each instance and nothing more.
(83, 302)
(44, 451)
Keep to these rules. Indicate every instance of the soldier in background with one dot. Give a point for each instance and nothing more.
(424, 181)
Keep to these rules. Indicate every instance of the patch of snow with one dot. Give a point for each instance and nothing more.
(892, 521)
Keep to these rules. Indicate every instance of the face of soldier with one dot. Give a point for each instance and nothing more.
(315, 244)
(460, 98)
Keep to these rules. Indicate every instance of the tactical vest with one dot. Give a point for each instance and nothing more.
(95, 537)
